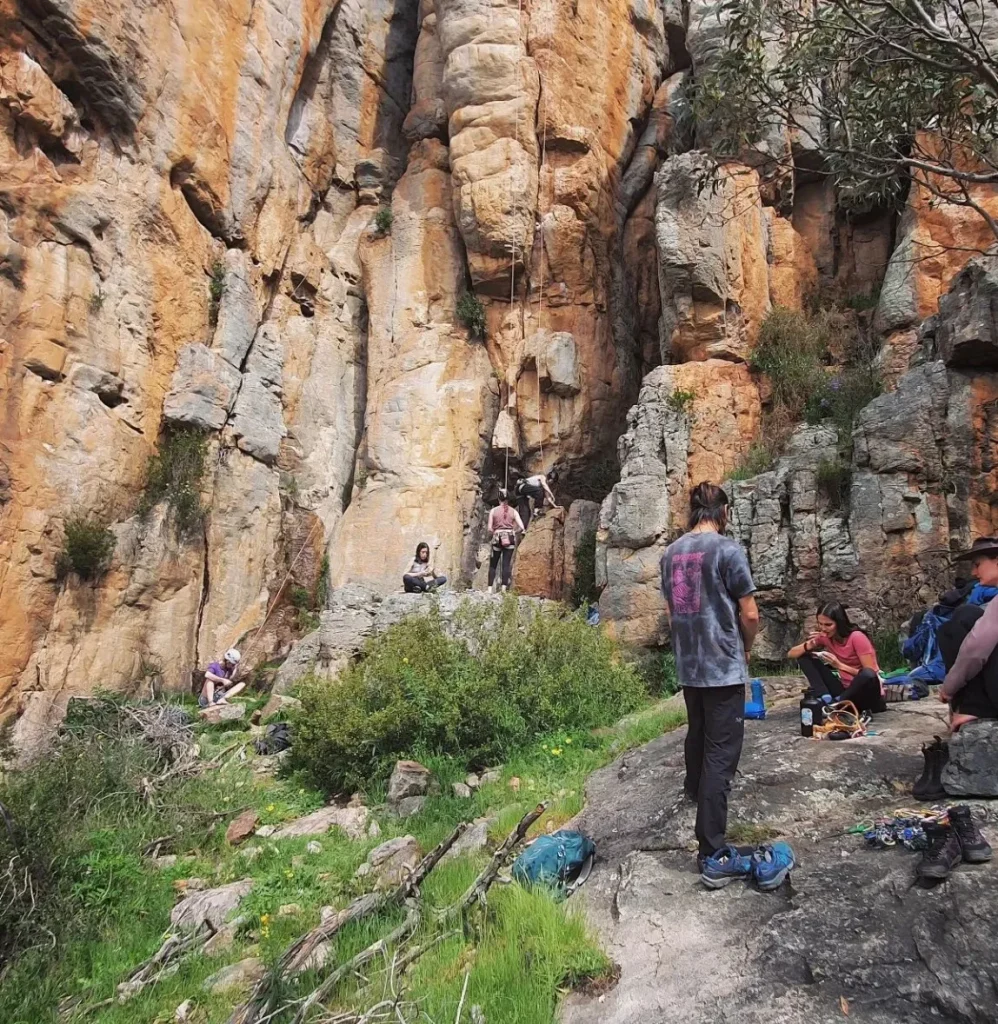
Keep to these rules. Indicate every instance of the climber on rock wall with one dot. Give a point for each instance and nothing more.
(504, 524)
(532, 492)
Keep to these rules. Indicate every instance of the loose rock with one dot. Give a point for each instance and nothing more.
(241, 828)
(462, 791)
(241, 976)
(352, 820)
(409, 778)
(393, 861)
(972, 769)
(219, 713)
(213, 906)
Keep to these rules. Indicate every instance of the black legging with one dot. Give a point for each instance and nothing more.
(420, 584)
(506, 556)
(524, 507)
(979, 697)
(863, 691)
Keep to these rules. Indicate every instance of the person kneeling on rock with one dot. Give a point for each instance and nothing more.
(421, 576)
(218, 685)
(839, 661)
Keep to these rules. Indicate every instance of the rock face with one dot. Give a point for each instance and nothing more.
(850, 929)
(690, 424)
(972, 769)
(204, 244)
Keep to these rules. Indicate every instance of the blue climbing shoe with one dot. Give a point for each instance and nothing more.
(771, 864)
(725, 866)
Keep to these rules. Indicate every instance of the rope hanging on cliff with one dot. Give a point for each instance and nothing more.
(540, 291)
(280, 590)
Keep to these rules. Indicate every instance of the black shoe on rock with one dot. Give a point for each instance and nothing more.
(929, 787)
(974, 847)
(943, 853)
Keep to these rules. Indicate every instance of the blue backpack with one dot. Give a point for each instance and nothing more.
(561, 861)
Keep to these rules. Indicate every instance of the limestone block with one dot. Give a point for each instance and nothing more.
(212, 906)
(539, 563)
(558, 364)
(203, 389)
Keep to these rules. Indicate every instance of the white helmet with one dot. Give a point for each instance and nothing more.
(232, 656)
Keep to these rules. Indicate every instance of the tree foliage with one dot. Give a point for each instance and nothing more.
(880, 94)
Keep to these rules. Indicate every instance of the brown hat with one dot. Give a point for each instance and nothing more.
(983, 546)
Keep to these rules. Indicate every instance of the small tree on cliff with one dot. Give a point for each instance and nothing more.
(885, 94)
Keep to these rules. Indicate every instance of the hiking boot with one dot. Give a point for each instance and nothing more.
(973, 845)
(771, 864)
(943, 853)
(724, 866)
(929, 787)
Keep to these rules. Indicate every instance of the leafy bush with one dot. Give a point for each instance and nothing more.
(682, 402)
(887, 644)
(789, 351)
(383, 220)
(87, 548)
(841, 398)
(175, 474)
(584, 585)
(418, 692)
(471, 313)
(216, 289)
(758, 459)
(833, 478)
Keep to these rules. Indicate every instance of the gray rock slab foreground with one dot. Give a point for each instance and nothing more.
(850, 925)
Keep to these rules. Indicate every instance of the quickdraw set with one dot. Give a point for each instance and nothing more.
(906, 827)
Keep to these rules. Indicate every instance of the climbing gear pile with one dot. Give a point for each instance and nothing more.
(905, 826)
(842, 722)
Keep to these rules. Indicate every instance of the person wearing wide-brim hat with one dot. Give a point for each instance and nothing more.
(968, 643)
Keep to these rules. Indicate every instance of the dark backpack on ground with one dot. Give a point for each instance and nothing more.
(276, 737)
(561, 861)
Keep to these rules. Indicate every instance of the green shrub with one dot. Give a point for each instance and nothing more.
(418, 692)
(96, 303)
(216, 289)
(471, 313)
(790, 350)
(322, 585)
(175, 474)
(682, 402)
(383, 220)
(758, 459)
(833, 478)
(887, 644)
(87, 548)
(584, 586)
(841, 398)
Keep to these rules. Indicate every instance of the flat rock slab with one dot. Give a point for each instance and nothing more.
(972, 769)
(241, 976)
(850, 925)
(213, 906)
(353, 821)
(216, 714)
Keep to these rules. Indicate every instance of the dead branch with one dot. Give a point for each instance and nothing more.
(477, 890)
(297, 955)
(365, 956)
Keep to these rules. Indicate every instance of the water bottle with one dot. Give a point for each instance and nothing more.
(756, 707)
(812, 713)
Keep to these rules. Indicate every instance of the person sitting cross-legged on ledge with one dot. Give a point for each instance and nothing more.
(839, 661)
(421, 576)
(218, 685)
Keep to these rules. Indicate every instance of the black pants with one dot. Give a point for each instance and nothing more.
(979, 697)
(716, 716)
(863, 691)
(420, 584)
(524, 506)
(505, 555)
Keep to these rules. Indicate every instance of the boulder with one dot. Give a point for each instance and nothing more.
(410, 805)
(237, 977)
(276, 704)
(409, 778)
(352, 820)
(539, 565)
(203, 389)
(241, 828)
(216, 714)
(474, 840)
(392, 862)
(972, 769)
(211, 906)
(461, 791)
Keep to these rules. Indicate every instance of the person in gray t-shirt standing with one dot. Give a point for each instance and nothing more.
(709, 591)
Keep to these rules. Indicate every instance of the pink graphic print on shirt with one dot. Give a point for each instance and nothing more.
(686, 573)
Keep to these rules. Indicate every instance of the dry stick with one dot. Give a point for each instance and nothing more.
(478, 888)
(408, 959)
(379, 948)
(297, 954)
(464, 992)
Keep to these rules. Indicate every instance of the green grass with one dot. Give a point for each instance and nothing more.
(117, 908)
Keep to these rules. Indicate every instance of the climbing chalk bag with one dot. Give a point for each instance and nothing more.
(505, 538)
(561, 861)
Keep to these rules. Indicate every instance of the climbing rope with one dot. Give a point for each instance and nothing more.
(842, 717)
(540, 291)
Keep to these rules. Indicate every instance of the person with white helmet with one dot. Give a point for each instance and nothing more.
(218, 686)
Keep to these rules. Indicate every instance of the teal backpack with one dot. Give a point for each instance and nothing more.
(561, 861)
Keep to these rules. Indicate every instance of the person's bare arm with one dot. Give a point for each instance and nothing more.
(548, 491)
(748, 618)
(811, 644)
